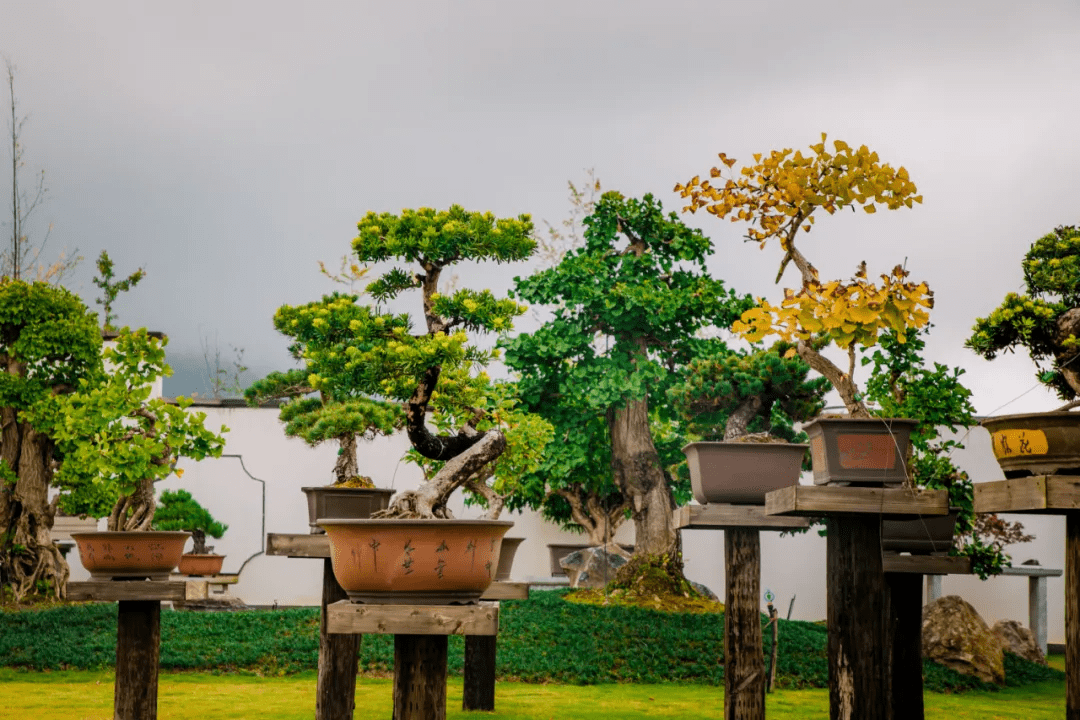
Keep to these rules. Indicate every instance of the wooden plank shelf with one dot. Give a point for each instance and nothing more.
(926, 564)
(348, 617)
(719, 516)
(297, 545)
(828, 500)
(1038, 494)
(116, 590)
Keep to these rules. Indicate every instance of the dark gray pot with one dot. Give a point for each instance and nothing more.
(869, 451)
(929, 535)
(506, 558)
(334, 503)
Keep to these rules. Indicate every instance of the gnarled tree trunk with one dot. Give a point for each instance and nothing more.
(346, 467)
(134, 511)
(588, 511)
(640, 477)
(27, 554)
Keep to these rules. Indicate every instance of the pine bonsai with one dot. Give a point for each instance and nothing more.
(178, 510)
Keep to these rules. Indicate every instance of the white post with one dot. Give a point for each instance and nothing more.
(933, 588)
(1037, 609)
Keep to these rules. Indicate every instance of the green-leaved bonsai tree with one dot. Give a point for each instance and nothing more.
(178, 510)
(323, 401)
(388, 357)
(1045, 320)
(727, 395)
(114, 441)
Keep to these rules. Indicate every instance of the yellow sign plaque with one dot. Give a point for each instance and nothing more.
(1010, 443)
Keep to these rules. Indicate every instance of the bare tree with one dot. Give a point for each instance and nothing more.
(22, 258)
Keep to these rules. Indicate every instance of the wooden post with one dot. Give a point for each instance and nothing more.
(744, 659)
(1072, 616)
(905, 639)
(774, 622)
(420, 677)
(858, 667)
(479, 691)
(335, 696)
(138, 638)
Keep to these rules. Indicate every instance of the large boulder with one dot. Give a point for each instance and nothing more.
(1019, 640)
(954, 635)
(595, 566)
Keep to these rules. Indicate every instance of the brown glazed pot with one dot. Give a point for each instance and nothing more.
(1036, 443)
(415, 562)
(196, 565)
(151, 554)
(344, 503)
(929, 535)
(741, 473)
(859, 450)
(506, 558)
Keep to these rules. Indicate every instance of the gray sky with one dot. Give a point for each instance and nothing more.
(227, 147)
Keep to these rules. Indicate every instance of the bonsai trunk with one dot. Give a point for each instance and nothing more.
(134, 511)
(1068, 325)
(840, 380)
(599, 522)
(739, 420)
(27, 553)
(198, 538)
(637, 472)
(346, 466)
(429, 500)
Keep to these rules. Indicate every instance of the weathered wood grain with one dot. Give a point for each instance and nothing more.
(420, 677)
(926, 564)
(744, 662)
(346, 617)
(828, 500)
(114, 590)
(335, 691)
(138, 643)
(297, 545)
(1072, 617)
(506, 591)
(718, 517)
(905, 641)
(859, 676)
(1040, 494)
(479, 686)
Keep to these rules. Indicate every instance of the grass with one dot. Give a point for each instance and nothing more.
(87, 695)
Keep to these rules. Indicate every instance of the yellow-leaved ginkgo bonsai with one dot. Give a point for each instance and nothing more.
(780, 194)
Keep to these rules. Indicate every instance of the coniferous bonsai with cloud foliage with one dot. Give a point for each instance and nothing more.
(178, 510)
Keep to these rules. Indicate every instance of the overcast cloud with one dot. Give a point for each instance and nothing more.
(227, 147)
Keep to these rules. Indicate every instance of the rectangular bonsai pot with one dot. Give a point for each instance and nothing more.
(870, 451)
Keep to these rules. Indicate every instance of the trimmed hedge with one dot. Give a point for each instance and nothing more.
(543, 639)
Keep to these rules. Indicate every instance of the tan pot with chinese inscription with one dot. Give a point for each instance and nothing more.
(1036, 443)
(127, 555)
(415, 562)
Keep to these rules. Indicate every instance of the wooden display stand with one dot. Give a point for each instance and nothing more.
(138, 635)
(1049, 495)
(862, 600)
(336, 691)
(744, 663)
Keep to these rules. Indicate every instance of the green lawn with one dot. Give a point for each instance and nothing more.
(87, 695)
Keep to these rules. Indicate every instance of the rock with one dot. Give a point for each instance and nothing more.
(217, 603)
(954, 635)
(1018, 640)
(706, 592)
(595, 566)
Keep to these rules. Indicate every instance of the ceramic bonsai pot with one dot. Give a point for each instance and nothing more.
(128, 555)
(343, 503)
(200, 564)
(929, 535)
(1036, 443)
(506, 558)
(859, 450)
(415, 562)
(741, 473)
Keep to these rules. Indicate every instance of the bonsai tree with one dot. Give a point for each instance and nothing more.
(334, 410)
(626, 308)
(1046, 319)
(178, 510)
(386, 357)
(49, 343)
(902, 385)
(728, 395)
(783, 193)
(112, 436)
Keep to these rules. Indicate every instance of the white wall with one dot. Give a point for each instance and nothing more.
(791, 566)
